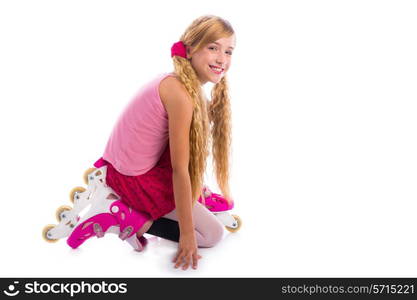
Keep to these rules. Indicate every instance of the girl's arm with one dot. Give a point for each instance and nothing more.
(179, 108)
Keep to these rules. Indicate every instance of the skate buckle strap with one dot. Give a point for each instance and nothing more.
(130, 220)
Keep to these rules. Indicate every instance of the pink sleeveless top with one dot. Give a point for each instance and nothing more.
(141, 133)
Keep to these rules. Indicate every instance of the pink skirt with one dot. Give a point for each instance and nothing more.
(151, 192)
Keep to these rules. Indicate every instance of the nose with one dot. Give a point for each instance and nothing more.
(221, 59)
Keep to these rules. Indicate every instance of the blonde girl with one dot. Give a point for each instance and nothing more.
(156, 155)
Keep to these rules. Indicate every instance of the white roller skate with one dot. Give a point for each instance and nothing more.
(105, 212)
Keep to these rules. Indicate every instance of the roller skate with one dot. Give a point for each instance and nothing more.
(219, 206)
(105, 212)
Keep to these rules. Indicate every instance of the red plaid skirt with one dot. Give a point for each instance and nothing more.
(151, 192)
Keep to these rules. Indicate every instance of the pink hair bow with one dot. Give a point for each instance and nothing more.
(178, 49)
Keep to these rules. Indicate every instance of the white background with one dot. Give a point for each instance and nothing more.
(324, 132)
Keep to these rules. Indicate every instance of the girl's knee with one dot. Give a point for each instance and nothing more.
(213, 237)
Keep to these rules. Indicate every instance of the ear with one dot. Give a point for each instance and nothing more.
(188, 51)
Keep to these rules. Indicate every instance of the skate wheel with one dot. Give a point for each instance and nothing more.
(79, 190)
(45, 234)
(86, 173)
(239, 224)
(60, 210)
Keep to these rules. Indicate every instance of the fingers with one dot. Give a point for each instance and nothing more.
(183, 260)
(187, 263)
(176, 256)
(195, 261)
(179, 259)
(186, 260)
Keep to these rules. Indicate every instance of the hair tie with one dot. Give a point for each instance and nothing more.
(178, 49)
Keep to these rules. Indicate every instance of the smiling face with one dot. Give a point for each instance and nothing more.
(212, 61)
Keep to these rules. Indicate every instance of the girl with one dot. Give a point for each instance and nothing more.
(156, 154)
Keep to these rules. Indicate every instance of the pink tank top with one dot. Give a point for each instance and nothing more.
(141, 133)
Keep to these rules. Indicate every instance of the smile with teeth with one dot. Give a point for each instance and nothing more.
(217, 70)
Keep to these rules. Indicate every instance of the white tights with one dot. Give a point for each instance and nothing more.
(208, 229)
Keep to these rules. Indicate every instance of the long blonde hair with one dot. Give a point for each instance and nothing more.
(211, 121)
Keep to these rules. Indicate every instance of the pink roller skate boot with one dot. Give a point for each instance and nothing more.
(130, 222)
(120, 215)
(94, 226)
(215, 202)
(219, 206)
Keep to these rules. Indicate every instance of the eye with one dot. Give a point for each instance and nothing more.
(212, 47)
(229, 52)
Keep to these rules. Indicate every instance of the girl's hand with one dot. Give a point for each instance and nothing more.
(187, 252)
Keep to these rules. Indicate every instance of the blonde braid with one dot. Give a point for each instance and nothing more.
(220, 120)
(199, 129)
